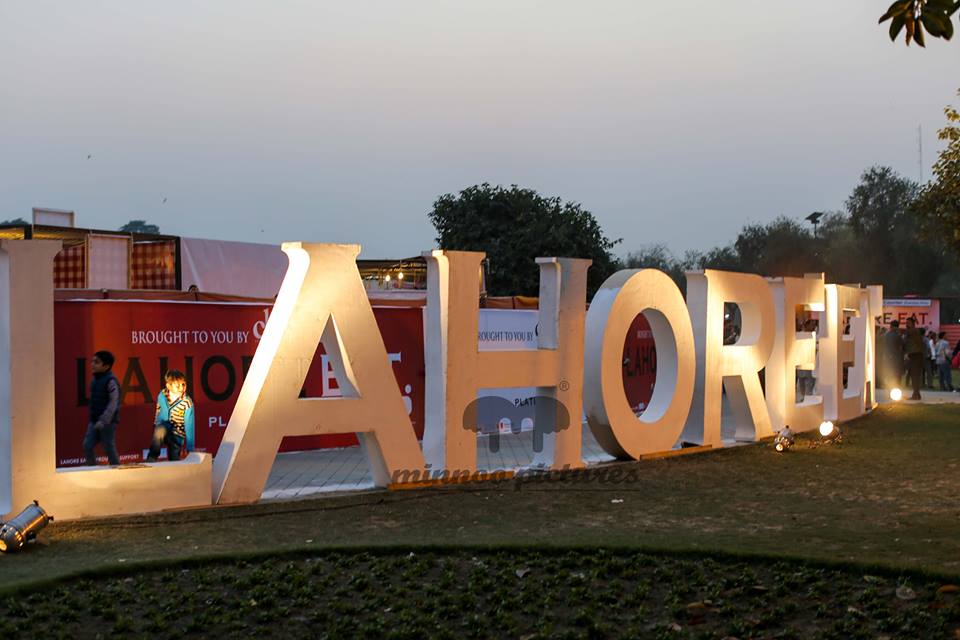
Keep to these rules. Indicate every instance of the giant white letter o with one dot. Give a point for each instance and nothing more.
(622, 297)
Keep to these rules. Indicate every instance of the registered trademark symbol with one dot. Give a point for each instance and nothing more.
(564, 385)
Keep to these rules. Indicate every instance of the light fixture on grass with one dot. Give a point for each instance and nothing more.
(784, 440)
(829, 431)
(23, 528)
(896, 394)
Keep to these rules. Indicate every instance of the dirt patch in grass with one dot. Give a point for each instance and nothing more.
(495, 594)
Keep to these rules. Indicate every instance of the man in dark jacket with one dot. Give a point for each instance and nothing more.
(916, 353)
(104, 409)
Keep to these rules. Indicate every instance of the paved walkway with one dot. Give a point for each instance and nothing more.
(926, 397)
(306, 473)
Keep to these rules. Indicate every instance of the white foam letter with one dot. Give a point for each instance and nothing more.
(845, 346)
(322, 299)
(733, 367)
(456, 368)
(792, 349)
(622, 297)
(27, 434)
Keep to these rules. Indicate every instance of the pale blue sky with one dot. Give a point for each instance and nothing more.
(342, 122)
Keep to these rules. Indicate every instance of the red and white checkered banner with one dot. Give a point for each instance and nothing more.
(70, 268)
(154, 265)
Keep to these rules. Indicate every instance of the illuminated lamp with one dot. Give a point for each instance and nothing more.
(829, 431)
(896, 394)
(386, 278)
(784, 440)
(23, 528)
(400, 276)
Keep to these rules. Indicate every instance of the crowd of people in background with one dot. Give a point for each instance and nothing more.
(914, 356)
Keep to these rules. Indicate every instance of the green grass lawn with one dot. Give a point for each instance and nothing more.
(885, 502)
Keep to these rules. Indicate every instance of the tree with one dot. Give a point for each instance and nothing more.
(939, 203)
(892, 252)
(720, 258)
(514, 226)
(919, 16)
(839, 249)
(879, 240)
(783, 247)
(15, 221)
(658, 256)
(140, 226)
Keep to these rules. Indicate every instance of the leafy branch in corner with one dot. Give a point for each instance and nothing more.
(919, 16)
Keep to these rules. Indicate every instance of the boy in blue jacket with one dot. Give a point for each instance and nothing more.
(104, 410)
(173, 424)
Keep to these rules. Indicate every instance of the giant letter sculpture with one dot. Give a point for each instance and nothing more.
(735, 367)
(871, 307)
(622, 297)
(843, 353)
(27, 435)
(794, 348)
(322, 299)
(456, 368)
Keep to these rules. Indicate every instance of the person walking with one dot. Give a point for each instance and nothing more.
(104, 410)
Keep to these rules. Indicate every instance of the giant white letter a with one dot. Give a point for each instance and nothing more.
(322, 299)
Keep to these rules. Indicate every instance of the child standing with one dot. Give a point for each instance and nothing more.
(173, 424)
(104, 409)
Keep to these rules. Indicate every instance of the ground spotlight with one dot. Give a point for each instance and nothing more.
(896, 394)
(23, 528)
(784, 440)
(829, 431)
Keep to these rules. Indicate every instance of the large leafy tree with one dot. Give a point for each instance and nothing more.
(140, 226)
(514, 226)
(892, 251)
(658, 256)
(939, 203)
(916, 17)
(839, 249)
(883, 246)
(879, 212)
(783, 247)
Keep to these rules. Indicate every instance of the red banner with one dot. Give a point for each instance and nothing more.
(213, 344)
(639, 364)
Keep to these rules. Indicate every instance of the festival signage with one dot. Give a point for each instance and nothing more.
(322, 300)
(925, 311)
(213, 344)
